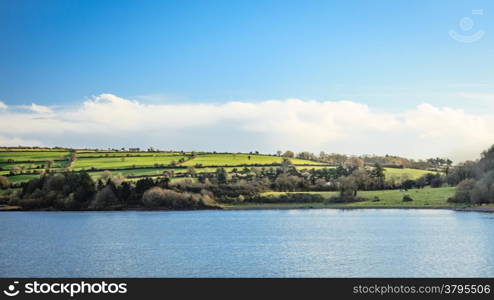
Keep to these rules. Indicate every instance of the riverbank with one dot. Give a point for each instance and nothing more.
(286, 206)
(281, 206)
(164, 209)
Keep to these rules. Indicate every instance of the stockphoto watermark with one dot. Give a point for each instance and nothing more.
(64, 288)
(468, 33)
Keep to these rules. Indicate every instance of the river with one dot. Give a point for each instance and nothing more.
(260, 243)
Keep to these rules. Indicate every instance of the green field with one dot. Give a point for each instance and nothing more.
(406, 173)
(421, 197)
(33, 165)
(124, 162)
(241, 159)
(308, 168)
(22, 178)
(33, 155)
(138, 172)
(145, 163)
(125, 154)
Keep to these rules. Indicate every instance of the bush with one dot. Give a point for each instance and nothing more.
(376, 199)
(4, 182)
(208, 201)
(483, 191)
(288, 198)
(463, 192)
(437, 181)
(408, 184)
(345, 199)
(159, 197)
(153, 197)
(104, 198)
(407, 198)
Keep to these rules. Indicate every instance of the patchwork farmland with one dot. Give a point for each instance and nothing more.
(21, 165)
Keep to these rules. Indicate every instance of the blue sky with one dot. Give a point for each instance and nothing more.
(373, 77)
(385, 53)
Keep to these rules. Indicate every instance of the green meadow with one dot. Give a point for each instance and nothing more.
(151, 163)
(32, 155)
(137, 172)
(125, 162)
(239, 159)
(33, 165)
(405, 173)
(22, 178)
(93, 154)
(433, 197)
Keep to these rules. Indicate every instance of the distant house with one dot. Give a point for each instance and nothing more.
(134, 149)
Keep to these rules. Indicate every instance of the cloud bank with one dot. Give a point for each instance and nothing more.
(331, 126)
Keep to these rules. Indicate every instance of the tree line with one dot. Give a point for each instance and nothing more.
(78, 191)
(475, 180)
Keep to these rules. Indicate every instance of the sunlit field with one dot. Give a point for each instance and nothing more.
(420, 197)
(21, 166)
(242, 159)
(125, 162)
(32, 155)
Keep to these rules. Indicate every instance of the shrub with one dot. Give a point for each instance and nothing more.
(4, 182)
(104, 198)
(483, 191)
(408, 184)
(288, 198)
(345, 199)
(153, 197)
(436, 181)
(159, 197)
(463, 192)
(407, 198)
(376, 199)
(208, 201)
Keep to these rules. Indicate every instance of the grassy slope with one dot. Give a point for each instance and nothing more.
(33, 165)
(406, 173)
(241, 159)
(124, 162)
(22, 178)
(33, 155)
(421, 197)
(137, 172)
(113, 160)
(124, 154)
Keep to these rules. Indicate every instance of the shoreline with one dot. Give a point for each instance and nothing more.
(288, 207)
(485, 209)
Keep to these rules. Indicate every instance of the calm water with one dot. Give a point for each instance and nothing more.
(269, 243)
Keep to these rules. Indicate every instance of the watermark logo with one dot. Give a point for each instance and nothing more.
(70, 289)
(466, 26)
(11, 290)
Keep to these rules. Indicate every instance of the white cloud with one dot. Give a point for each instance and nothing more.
(3, 105)
(332, 126)
(40, 109)
(13, 142)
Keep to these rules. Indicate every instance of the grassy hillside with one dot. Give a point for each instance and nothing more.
(125, 162)
(32, 155)
(238, 159)
(102, 154)
(405, 173)
(30, 162)
(22, 178)
(421, 197)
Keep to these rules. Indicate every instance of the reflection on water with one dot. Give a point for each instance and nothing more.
(266, 243)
